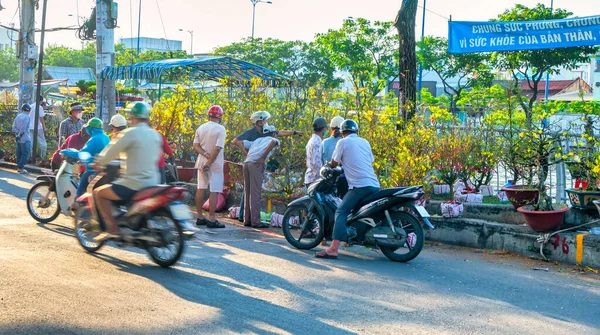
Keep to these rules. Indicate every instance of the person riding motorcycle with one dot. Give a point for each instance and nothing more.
(141, 145)
(355, 155)
(97, 142)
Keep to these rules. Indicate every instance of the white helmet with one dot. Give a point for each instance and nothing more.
(336, 122)
(118, 121)
(259, 116)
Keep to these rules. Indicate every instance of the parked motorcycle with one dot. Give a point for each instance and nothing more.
(52, 195)
(154, 217)
(388, 219)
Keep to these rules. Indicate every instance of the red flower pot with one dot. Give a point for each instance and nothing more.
(186, 174)
(543, 221)
(521, 195)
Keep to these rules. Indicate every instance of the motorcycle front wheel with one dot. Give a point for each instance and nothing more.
(86, 230)
(414, 242)
(302, 228)
(169, 234)
(42, 204)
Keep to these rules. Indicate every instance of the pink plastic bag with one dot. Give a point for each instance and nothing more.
(220, 203)
(234, 212)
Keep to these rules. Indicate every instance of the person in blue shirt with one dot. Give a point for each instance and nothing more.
(327, 148)
(93, 146)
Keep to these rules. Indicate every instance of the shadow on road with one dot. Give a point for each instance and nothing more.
(239, 313)
(56, 228)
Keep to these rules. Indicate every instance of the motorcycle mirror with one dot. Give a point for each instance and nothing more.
(84, 156)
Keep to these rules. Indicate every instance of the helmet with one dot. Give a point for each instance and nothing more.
(139, 110)
(259, 116)
(349, 126)
(215, 111)
(94, 123)
(336, 122)
(26, 108)
(118, 120)
(319, 123)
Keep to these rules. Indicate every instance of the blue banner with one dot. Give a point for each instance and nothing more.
(468, 37)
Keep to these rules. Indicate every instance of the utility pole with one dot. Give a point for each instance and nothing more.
(27, 52)
(39, 86)
(106, 12)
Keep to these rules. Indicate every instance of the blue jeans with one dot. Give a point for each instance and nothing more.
(351, 199)
(83, 183)
(23, 150)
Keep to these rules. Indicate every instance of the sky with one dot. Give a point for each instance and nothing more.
(221, 22)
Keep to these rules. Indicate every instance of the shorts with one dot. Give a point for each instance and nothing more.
(214, 179)
(123, 192)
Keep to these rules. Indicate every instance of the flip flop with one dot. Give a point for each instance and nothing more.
(324, 255)
(104, 236)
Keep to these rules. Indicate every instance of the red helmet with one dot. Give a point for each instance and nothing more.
(215, 111)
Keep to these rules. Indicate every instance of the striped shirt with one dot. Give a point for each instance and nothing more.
(69, 127)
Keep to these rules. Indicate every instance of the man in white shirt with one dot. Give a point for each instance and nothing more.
(41, 138)
(209, 142)
(314, 160)
(355, 155)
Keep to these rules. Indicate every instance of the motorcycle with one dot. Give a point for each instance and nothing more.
(53, 194)
(388, 219)
(155, 216)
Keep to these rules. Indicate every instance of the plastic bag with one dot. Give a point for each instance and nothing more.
(452, 209)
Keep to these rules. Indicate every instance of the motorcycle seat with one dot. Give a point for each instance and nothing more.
(388, 192)
(149, 192)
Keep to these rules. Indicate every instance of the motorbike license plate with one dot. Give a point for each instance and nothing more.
(422, 211)
(181, 212)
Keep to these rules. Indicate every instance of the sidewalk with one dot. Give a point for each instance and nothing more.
(30, 168)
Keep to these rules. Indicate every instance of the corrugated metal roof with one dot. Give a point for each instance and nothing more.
(72, 74)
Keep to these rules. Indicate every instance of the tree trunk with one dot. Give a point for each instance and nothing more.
(405, 23)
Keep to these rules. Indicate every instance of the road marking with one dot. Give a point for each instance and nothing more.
(579, 248)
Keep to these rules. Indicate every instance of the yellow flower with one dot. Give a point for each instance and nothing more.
(557, 156)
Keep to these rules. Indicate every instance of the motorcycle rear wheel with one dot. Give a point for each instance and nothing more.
(292, 224)
(87, 229)
(410, 224)
(34, 206)
(157, 254)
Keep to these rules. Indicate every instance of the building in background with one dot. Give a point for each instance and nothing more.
(8, 38)
(150, 43)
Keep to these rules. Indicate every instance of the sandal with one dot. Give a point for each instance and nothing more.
(105, 236)
(214, 224)
(325, 255)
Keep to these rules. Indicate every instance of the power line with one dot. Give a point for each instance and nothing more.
(434, 13)
(163, 26)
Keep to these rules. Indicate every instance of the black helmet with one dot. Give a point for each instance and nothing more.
(349, 126)
(319, 123)
(26, 108)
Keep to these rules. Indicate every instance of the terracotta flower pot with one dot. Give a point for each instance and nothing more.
(543, 221)
(521, 195)
(186, 174)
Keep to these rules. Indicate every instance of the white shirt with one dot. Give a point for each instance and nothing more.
(32, 117)
(209, 136)
(256, 149)
(356, 157)
(314, 160)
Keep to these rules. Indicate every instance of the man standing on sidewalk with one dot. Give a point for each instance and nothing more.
(254, 171)
(73, 124)
(41, 138)
(209, 142)
(20, 128)
(314, 160)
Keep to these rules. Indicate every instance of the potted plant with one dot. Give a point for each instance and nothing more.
(509, 121)
(584, 159)
(543, 148)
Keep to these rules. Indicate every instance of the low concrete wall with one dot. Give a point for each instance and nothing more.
(515, 238)
(507, 214)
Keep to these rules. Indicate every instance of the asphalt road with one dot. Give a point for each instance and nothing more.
(239, 280)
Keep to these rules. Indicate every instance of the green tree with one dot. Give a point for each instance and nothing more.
(470, 70)
(367, 52)
(130, 56)
(302, 62)
(534, 64)
(55, 55)
(9, 65)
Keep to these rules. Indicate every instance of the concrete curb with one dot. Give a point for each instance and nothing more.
(566, 247)
(31, 168)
